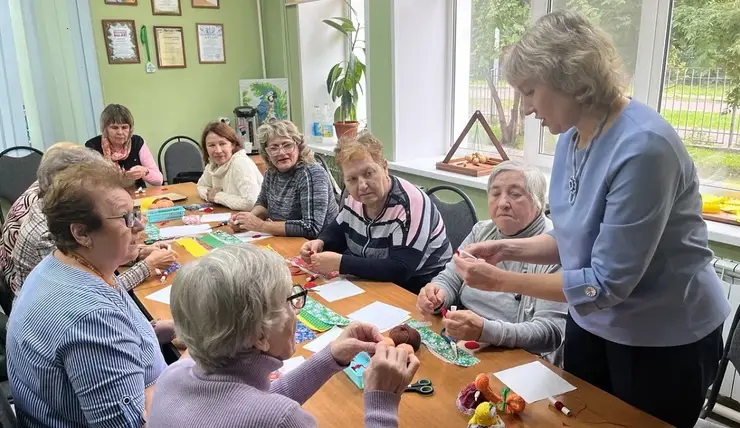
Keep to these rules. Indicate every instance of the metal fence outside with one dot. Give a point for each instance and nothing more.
(693, 101)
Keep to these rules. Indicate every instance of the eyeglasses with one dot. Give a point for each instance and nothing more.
(276, 149)
(129, 218)
(298, 297)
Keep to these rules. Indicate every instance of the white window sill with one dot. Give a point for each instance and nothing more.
(426, 167)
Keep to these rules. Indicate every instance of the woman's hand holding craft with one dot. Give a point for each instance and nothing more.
(310, 248)
(492, 251)
(478, 273)
(211, 194)
(391, 369)
(431, 297)
(325, 262)
(160, 259)
(137, 172)
(463, 325)
(355, 338)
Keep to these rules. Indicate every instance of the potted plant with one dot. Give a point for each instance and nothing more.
(344, 80)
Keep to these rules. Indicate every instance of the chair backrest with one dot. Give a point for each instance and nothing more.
(459, 217)
(7, 415)
(179, 154)
(18, 167)
(335, 186)
(6, 295)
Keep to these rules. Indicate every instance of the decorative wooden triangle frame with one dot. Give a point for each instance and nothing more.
(448, 163)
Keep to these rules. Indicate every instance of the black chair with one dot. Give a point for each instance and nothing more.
(459, 217)
(731, 353)
(17, 173)
(6, 296)
(335, 186)
(180, 160)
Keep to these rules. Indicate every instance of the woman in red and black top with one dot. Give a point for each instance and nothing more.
(118, 143)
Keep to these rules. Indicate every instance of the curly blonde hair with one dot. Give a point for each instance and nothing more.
(357, 147)
(563, 49)
(284, 129)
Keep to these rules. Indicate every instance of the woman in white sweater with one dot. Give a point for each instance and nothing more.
(230, 177)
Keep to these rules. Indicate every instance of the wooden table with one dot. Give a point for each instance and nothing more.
(339, 402)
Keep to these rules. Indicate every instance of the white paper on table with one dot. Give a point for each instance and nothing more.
(338, 289)
(162, 295)
(534, 381)
(382, 315)
(322, 341)
(291, 364)
(175, 231)
(251, 236)
(210, 218)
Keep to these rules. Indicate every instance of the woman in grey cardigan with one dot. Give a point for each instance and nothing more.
(516, 195)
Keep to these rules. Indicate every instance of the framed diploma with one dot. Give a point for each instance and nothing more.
(170, 46)
(211, 47)
(121, 44)
(205, 4)
(122, 2)
(166, 7)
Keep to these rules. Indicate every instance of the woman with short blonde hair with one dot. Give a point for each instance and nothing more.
(646, 307)
(118, 143)
(297, 198)
(387, 230)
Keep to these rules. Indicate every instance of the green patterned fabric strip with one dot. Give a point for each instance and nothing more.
(225, 237)
(323, 313)
(151, 231)
(211, 241)
(438, 346)
(315, 322)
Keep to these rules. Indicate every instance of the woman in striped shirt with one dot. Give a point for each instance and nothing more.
(387, 230)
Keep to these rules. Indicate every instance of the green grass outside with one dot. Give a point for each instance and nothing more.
(698, 119)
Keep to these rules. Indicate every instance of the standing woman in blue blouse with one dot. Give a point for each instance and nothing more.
(646, 307)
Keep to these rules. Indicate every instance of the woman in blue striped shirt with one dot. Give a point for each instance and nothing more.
(80, 352)
(646, 307)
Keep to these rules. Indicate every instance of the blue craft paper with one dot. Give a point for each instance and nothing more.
(303, 333)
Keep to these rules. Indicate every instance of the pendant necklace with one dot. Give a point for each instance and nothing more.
(84, 262)
(578, 169)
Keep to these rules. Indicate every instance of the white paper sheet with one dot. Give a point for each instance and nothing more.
(162, 295)
(382, 315)
(322, 341)
(534, 381)
(176, 231)
(251, 236)
(210, 218)
(291, 364)
(338, 289)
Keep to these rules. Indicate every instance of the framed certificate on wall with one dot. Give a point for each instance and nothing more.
(205, 4)
(170, 45)
(166, 7)
(121, 44)
(211, 47)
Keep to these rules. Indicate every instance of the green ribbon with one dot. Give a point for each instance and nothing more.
(502, 404)
(145, 42)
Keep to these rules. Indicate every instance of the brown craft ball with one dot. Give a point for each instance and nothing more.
(405, 334)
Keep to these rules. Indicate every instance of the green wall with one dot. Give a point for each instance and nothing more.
(181, 101)
(380, 72)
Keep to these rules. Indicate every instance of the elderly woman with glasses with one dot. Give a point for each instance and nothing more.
(80, 352)
(388, 229)
(230, 177)
(118, 143)
(235, 309)
(516, 198)
(646, 307)
(297, 197)
(35, 241)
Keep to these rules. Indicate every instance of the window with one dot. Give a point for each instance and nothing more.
(483, 29)
(700, 76)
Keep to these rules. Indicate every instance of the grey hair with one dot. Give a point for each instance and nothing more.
(535, 181)
(225, 302)
(58, 158)
(572, 55)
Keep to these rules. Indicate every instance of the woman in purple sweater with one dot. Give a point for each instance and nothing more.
(236, 311)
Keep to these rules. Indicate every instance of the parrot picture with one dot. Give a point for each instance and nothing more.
(266, 107)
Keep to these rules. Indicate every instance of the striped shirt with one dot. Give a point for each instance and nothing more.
(406, 243)
(35, 242)
(12, 226)
(80, 353)
(303, 198)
